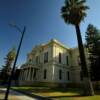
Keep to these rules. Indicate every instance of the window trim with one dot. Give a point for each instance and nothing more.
(45, 57)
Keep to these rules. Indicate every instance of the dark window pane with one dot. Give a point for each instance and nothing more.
(45, 57)
(45, 73)
(60, 74)
(67, 60)
(34, 75)
(59, 57)
(68, 76)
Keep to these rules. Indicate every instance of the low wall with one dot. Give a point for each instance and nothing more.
(50, 84)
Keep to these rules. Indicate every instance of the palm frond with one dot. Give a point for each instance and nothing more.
(80, 2)
(67, 3)
(83, 7)
(74, 11)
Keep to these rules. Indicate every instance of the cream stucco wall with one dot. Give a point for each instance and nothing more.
(53, 66)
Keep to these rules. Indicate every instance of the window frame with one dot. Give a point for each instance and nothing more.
(67, 60)
(45, 57)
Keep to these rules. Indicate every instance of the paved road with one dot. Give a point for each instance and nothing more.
(14, 95)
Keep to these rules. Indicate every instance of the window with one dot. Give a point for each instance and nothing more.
(45, 57)
(60, 74)
(59, 57)
(34, 75)
(67, 60)
(68, 75)
(45, 74)
(37, 59)
(81, 75)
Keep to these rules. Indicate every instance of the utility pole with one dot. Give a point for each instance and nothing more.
(14, 65)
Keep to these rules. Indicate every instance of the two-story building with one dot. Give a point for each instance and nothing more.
(52, 64)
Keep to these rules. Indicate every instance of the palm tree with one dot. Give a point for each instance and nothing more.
(73, 12)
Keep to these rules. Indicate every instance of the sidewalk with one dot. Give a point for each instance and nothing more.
(14, 95)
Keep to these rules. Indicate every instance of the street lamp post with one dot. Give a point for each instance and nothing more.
(14, 65)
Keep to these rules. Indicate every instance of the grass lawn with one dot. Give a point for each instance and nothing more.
(58, 93)
(96, 97)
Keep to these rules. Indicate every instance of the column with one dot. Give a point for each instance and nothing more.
(26, 74)
(23, 74)
(33, 74)
(29, 73)
(20, 75)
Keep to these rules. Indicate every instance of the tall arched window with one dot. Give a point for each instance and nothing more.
(45, 57)
(59, 57)
(68, 75)
(60, 74)
(35, 72)
(45, 73)
(67, 60)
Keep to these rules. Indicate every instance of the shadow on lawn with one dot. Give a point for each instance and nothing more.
(39, 92)
(66, 96)
(40, 97)
(97, 92)
(48, 90)
(35, 90)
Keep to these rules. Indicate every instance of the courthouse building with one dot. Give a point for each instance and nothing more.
(51, 64)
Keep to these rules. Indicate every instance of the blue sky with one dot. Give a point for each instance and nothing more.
(43, 21)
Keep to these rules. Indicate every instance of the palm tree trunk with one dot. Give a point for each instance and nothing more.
(88, 89)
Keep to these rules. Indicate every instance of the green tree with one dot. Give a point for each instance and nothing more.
(73, 12)
(6, 69)
(93, 46)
